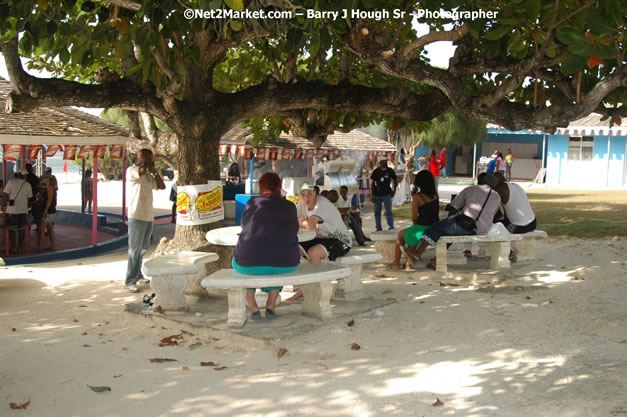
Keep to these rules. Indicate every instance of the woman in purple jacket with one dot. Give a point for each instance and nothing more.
(268, 243)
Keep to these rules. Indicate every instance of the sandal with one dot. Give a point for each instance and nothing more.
(431, 264)
(407, 255)
(270, 314)
(255, 316)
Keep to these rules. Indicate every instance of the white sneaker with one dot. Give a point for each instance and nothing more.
(132, 288)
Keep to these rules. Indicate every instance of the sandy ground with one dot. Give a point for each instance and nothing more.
(544, 339)
(547, 338)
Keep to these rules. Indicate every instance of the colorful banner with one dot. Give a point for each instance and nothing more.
(240, 150)
(320, 153)
(12, 152)
(298, 154)
(69, 152)
(286, 154)
(260, 154)
(85, 152)
(248, 153)
(222, 149)
(371, 156)
(33, 151)
(116, 151)
(52, 149)
(309, 153)
(233, 150)
(273, 154)
(99, 151)
(199, 204)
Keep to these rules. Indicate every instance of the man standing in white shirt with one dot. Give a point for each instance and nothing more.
(142, 179)
(16, 195)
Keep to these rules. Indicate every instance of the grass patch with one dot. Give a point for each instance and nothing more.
(590, 214)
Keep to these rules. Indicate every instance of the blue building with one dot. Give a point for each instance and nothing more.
(587, 153)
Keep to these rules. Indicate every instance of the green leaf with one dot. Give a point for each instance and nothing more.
(599, 25)
(605, 51)
(294, 38)
(572, 64)
(569, 35)
(498, 33)
(236, 25)
(583, 49)
(314, 45)
(99, 389)
(532, 7)
(615, 9)
(195, 346)
(235, 4)
(64, 56)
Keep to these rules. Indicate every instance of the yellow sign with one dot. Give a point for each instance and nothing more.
(209, 201)
(182, 202)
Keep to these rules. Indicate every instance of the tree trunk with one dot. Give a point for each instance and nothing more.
(198, 162)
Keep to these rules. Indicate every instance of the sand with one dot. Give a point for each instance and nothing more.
(547, 338)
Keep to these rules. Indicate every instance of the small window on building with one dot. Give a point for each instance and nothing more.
(580, 148)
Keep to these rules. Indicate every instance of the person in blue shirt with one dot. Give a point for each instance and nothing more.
(491, 166)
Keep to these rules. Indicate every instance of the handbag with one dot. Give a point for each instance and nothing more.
(12, 200)
(468, 223)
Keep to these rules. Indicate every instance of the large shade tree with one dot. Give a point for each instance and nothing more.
(529, 64)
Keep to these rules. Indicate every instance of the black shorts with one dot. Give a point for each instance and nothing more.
(335, 248)
(18, 220)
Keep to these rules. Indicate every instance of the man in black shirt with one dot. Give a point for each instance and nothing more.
(382, 192)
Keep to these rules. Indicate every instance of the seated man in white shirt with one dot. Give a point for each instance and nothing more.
(343, 205)
(332, 238)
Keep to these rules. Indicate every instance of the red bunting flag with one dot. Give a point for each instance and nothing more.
(12, 152)
(116, 151)
(99, 152)
(33, 151)
(69, 152)
(52, 149)
(85, 152)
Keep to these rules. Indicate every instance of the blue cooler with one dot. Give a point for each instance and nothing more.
(240, 204)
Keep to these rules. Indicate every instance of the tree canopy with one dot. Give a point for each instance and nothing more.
(205, 66)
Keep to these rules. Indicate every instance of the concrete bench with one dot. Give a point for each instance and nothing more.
(384, 243)
(315, 280)
(498, 245)
(171, 274)
(351, 288)
(525, 249)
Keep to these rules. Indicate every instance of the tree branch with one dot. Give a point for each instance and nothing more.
(408, 51)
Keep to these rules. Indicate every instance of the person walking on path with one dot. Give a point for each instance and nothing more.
(434, 167)
(443, 163)
(142, 179)
(382, 192)
(509, 159)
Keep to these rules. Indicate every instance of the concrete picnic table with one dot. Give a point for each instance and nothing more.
(228, 236)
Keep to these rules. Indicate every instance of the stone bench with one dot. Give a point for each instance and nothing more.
(314, 279)
(351, 288)
(384, 243)
(525, 249)
(171, 274)
(498, 245)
